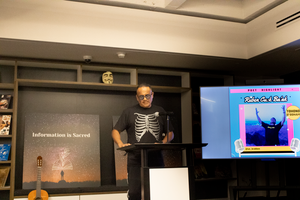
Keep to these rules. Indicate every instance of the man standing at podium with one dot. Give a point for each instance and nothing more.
(143, 125)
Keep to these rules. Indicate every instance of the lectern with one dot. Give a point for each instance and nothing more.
(146, 171)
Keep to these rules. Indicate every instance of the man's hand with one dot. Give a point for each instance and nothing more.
(284, 116)
(124, 145)
(258, 118)
(117, 138)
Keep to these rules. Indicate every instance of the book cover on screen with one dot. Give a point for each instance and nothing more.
(5, 124)
(253, 121)
(70, 147)
(4, 171)
(5, 100)
(4, 152)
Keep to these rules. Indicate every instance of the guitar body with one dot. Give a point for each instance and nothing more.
(32, 195)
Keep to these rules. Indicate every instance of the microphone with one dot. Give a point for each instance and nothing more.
(156, 114)
(295, 145)
(239, 146)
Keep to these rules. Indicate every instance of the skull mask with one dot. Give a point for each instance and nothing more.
(107, 77)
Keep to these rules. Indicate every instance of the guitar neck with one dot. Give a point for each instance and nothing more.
(38, 184)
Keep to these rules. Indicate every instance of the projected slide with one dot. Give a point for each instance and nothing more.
(264, 121)
(69, 146)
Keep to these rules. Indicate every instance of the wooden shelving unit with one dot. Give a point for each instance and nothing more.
(27, 74)
(7, 87)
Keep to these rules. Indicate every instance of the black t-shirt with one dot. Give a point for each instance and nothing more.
(272, 132)
(142, 125)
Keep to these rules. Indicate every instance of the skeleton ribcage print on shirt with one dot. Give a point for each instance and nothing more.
(144, 123)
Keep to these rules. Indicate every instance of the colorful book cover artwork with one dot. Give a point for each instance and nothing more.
(4, 152)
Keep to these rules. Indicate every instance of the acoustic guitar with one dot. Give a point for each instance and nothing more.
(38, 194)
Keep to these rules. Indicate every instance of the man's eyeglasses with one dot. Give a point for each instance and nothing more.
(148, 96)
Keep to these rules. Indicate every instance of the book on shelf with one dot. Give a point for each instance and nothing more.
(5, 100)
(4, 171)
(4, 152)
(5, 124)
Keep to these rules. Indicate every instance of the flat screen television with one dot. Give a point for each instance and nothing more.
(250, 121)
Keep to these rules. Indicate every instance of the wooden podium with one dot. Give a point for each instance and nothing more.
(144, 147)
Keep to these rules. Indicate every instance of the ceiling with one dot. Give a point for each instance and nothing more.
(241, 11)
(267, 65)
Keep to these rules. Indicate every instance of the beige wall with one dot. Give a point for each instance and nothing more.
(99, 25)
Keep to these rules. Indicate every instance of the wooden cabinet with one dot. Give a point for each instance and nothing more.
(67, 77)
(7, 87)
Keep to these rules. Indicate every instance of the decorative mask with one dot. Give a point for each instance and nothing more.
(107, 77)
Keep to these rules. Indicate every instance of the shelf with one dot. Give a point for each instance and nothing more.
(5, 136)
(48, 65)
(5, 162)
(94, 86)
(7, 62)
(235, 189)
(5, 188)
(8, 86)
(185, 76)
(169, 89)
(75, 85)
(108, 68)
(6, 110)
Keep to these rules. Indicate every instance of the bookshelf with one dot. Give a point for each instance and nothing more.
(7, 87)
(83, 78)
